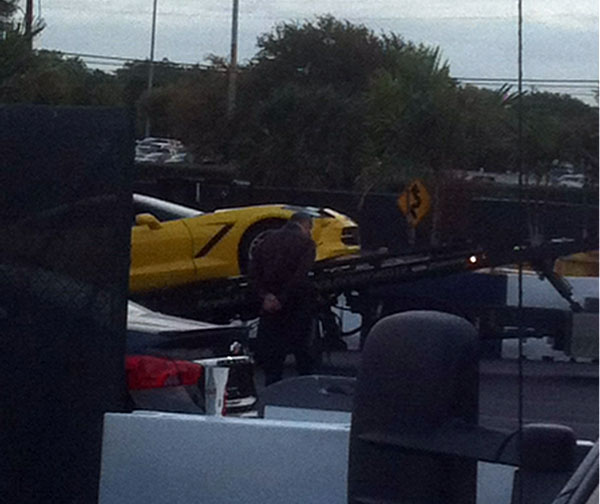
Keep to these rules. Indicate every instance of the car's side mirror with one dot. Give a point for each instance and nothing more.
(146, 219)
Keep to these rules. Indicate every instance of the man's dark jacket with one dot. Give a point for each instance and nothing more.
(281, 262)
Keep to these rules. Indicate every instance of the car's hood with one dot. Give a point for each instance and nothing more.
(315, 212)
(140, 318)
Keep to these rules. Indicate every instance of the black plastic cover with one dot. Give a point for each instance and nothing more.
(65, 209)
(419, 371)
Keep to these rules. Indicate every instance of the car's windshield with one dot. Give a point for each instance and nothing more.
(162, 210)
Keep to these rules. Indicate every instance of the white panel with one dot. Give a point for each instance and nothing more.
(494, 483)
(584, 342)
(541, 293)
(307, 415)
(158, 458)
(171, 458)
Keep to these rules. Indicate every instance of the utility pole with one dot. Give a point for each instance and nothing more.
(29, 22)
(232, 74)
(151, 64)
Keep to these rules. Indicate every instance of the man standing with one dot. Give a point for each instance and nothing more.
(279, 272)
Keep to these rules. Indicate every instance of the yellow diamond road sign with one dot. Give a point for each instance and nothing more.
(415, 202)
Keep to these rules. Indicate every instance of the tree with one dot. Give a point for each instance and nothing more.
(559, 127)
(133, 78)
(382, 98)
(16, 55)
(487, 128)
(324, 103)
(192, 108)
(7, 9)
(46, 77)
(412, 115)
(314, 53)
(303, 136)
(14, 45)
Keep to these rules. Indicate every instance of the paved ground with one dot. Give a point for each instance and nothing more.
(554, 392)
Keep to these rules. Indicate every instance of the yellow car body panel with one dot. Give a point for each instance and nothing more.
(180, 252)
(160, 257)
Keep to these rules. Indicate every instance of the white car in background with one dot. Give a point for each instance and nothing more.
(160, 150)
(169, 143)
(153, 157)
(576, 180)
(180, 157)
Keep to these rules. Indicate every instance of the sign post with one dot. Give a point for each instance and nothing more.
(415, 202)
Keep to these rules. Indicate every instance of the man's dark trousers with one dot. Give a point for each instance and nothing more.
(288, 331)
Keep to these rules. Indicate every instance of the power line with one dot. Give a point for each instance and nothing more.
(171, 12)
(124, 59)
(540, 84)
(99, 56)
(132, 12)
(547, 82)
(513, 79)
(575, 86)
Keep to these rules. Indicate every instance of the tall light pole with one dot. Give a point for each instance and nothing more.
(232, 74)
(151, 64)
(29, 22)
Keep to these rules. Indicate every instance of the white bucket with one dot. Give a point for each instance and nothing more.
(215, 385)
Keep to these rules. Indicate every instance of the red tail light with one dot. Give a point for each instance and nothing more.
(145, 372)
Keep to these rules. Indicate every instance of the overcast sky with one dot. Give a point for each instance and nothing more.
(477, 37)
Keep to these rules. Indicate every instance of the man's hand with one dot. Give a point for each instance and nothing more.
(271, 304)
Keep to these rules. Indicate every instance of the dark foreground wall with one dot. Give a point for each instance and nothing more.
(64, 255)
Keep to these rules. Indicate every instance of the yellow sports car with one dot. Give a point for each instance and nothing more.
(173, 245)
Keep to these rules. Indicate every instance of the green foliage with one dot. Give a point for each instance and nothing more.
(412, 116)
(15, 44)
(324, 103)
(398, 96)
(47, 78)
(7, 8)
(133, 78)
(303, 136)
(324, 52)
(559, 127)
(192, 108)
(487, 127)
(15, 56)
